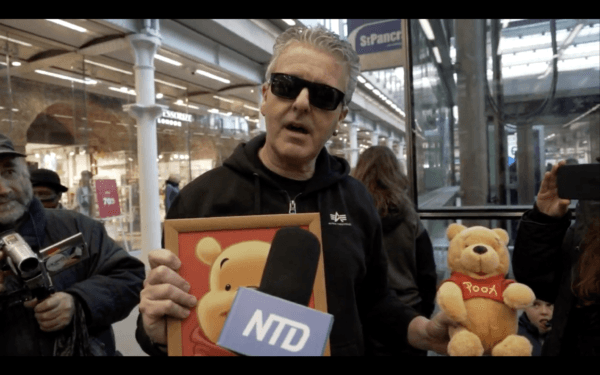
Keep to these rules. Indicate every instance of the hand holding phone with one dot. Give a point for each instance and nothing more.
(579, 182)
(548, 200)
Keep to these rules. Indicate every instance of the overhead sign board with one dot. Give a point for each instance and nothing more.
(379, 43)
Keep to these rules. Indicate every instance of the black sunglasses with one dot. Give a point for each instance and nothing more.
(319, 95)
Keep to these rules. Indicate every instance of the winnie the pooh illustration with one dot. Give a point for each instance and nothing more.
(478, 296)
(241, 264)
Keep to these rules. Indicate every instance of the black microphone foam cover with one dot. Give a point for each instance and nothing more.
(291, 265)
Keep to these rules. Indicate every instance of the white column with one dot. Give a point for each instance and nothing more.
(375, 137)
(390, 142)
(146, 111)
(353, 135)
(401, 157)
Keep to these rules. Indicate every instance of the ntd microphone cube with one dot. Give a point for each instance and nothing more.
(260, 324)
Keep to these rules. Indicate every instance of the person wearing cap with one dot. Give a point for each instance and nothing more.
(47, 187)
(89, 296)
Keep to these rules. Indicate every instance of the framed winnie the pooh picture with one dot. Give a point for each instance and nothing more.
(219, 255)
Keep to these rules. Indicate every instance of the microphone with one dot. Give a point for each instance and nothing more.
(278, 309)
(291, 265)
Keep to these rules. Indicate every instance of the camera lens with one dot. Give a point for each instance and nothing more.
(29, 265)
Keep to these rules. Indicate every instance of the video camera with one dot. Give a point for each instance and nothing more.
(36, 270)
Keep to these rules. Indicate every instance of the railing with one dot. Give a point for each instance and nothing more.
(478, 212)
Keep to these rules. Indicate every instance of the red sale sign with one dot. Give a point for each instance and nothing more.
(108, 198)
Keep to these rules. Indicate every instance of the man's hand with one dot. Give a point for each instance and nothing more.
(164, 294)
(55, 312)
(548, 201)
(431, 334)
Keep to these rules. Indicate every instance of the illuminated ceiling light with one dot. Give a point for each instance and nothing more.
(289, 22)
(436, 52)
(369, 86)
(427, 29)
(159, 96)
(223, 99)
(16, 63)
(69, 25)
(213, 110)
(87, 80)
(361, 79)
(210, 75)
(170, 84)
(123, 90)
(181, 103)
(167, 60)
(108, 67)
(252, 108)
(16, 41)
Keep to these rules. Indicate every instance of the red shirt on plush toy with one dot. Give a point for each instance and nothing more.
(479, 297)
(492, 287)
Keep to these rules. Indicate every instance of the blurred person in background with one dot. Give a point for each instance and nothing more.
(89, 296)
(411, 266)
(534, 323)
(47, 187)
(560, 261)
(84, 194)
(171, 190)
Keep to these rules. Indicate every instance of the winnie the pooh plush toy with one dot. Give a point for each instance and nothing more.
(478, 296)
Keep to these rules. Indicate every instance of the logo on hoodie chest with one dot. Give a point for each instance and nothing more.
(338, 219)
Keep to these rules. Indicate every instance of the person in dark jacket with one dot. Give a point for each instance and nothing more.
(534, 323)
(288, 170)
(411, 267)
(171, 190)
(90, 296)
(561, 263)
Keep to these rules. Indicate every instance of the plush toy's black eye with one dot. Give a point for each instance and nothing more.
(227, 287)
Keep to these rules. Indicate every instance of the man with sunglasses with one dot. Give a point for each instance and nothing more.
(310, 81)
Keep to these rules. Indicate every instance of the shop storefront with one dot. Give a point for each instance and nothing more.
(74, 130)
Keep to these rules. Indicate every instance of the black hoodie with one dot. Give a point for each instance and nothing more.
(355, 264)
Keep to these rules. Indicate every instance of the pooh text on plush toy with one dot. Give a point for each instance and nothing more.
(476, 289)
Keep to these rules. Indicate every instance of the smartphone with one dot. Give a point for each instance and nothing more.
(579, 182)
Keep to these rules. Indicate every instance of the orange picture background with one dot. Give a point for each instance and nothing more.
(197, 273)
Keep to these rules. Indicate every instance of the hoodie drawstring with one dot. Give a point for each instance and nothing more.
(256, 194)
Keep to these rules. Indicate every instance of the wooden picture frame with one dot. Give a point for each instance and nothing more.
(183, 236)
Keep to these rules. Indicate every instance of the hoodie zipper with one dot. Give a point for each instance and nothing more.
(292, 202)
